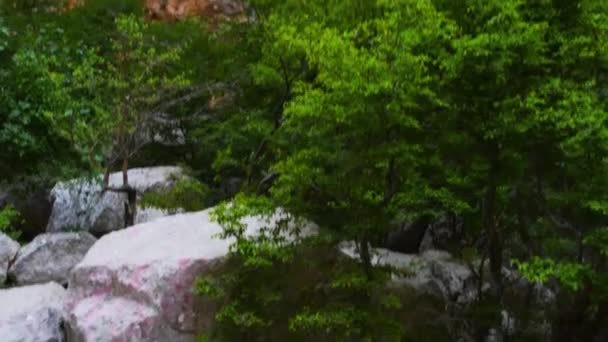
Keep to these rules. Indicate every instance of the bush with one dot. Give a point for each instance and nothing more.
(188, 194)
(8, 217)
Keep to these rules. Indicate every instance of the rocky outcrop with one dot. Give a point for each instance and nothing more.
(136, 284)
(8, 250)
(433, 272)
(406, 239)
(444, 234)
(50, 257)
(82, 205)
(211, 9)
(32, 313)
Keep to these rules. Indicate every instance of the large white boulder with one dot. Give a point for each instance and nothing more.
(80, 204)
(50, 257)
(8, 250)
(32, 313)
(137, 284)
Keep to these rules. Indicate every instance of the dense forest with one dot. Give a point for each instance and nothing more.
(374, 119)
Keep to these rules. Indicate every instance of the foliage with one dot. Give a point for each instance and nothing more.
(281, 283)
(8, 217)
(78, 97)
(382, 111)
(188, 194)
(356, 115)
(32, 86)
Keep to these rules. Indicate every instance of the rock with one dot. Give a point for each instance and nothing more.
(50, 257)
(119, 319)
(32, 313)
(494, 335)
(408, 237)
(136, 284)
(433, 272)
(80, 205)
(507, 328)
(150, 214)
(508, 323)
(443, 233)
(541, 294)
(8, 251)
(210, 9)
(455, 280)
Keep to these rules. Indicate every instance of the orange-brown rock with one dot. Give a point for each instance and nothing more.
(212, 9)
(73, 3)
(179, 9)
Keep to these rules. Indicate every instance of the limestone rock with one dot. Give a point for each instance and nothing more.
(119, 319)
(50, 257)
(210, 9)
(407, 238)
(80, 204)
(150, 214)
(32, 313)
(433, 272)
(136, 284)
(8, 250)
(442, 234)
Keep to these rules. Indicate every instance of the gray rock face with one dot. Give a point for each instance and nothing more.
(442, 233)
(541, 295)
(150, 214)
(50, 257)
(136, 284)
(408, 237)
(8, 250)
(80, 204)
(32, 313)
(495, 335)
(433, 272)
(507, 328)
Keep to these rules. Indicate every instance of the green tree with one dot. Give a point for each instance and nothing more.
(348, 148)
(492, 110)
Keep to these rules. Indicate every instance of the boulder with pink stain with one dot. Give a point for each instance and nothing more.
(137, 284)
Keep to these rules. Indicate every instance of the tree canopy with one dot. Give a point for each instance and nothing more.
(356, 115)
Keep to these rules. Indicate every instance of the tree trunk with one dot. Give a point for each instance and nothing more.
(491, 224)
(366, 258)
(125, 172)
(106, 176)
(131, 204)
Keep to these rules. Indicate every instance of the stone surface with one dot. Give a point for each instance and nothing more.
(211, 9)
(8, 251)
(32, 313)
(119, 319)
(442, 234)
(50, 257)
(80, 204)
(495, 335)
(541, 294)
(407, 238)
(146, 274)
(433, 272)
(150, 214)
